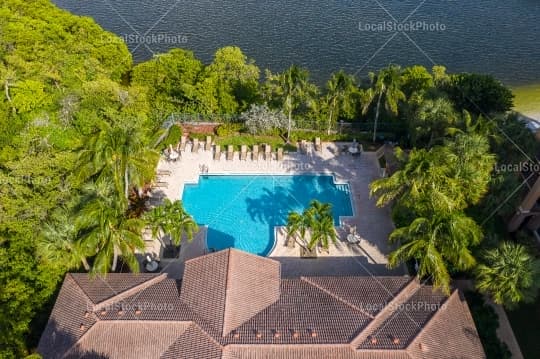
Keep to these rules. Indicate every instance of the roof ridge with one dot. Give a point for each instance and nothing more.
(335, 296)
(129, 292)
(431, 320)
(70, 275)
(404, 294)
(227, 284)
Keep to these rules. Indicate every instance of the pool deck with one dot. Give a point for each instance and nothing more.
(373, 224)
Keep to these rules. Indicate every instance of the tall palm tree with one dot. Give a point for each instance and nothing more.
(171, 218)
(106, 232)
(120, 154)
(291, 88)
(385, 84)
(339, 89)
(435, 242)
(509, 274)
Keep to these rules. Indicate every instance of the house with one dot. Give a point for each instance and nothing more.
(231, 304)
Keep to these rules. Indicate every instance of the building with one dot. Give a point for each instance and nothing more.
(231, 304)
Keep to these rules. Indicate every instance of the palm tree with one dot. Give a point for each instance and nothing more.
(106, 232)
(424, 180)
(171, 218)
(291, 88)
(298, 224)
(435, 242)
(510, 274)
(118, 153)
(433, 119)
(58, 244)
(340, 87)
(384, 84)
(322, 228)
(317, 219)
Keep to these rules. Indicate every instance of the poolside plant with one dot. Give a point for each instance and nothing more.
(317, 221)
(171, 219)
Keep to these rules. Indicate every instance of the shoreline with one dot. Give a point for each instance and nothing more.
(527, 100)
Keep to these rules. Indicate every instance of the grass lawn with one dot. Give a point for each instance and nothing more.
(527, 100)
(525, 323)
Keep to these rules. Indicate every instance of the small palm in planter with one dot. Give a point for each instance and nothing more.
(317, 222)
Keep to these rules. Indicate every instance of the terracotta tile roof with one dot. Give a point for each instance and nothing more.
(141, 339)
(368, 294)
(405, 323)
(70, 319)
(438, 340)
(234, 305)
(227, 288)
(193, 343)
(302, 308)
(100, 288)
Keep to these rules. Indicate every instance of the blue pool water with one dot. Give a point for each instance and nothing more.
(241, 211)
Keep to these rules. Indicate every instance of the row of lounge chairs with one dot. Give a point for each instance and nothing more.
(268, 155)
(305, 146)
(196, 144)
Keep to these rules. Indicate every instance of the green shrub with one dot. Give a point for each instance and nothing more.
(173, 137)
(228, 129)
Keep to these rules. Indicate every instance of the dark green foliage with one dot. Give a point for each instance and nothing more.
(479, 94)
(487, 322)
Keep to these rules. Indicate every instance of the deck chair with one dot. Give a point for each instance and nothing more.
(217, 153)
(255, 154)
(318, 145)
(183, 142)
(230, 153)
(303, 147)
(243, 153)
(208, 143)
(267, 152)
(195, 147)
(280, 154)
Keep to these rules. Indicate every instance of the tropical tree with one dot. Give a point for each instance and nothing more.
(171, 219)
(317, 220)
(509, 274)
(386, 84)
(322, 228)
(432, 121)
(298, 224)
(437, 241)
(340, 89)
(58, 244)
(290, 90)
(119, 154)
(105, 231)
(446, 178)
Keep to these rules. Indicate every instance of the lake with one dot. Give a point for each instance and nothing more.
(499, 37)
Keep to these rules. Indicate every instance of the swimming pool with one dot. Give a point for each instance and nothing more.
(242, 211)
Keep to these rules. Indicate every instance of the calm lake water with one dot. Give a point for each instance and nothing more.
(500, 37)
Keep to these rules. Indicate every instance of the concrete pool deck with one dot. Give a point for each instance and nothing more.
(373, 224)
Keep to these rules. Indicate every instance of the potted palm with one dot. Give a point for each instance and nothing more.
(312, 228)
